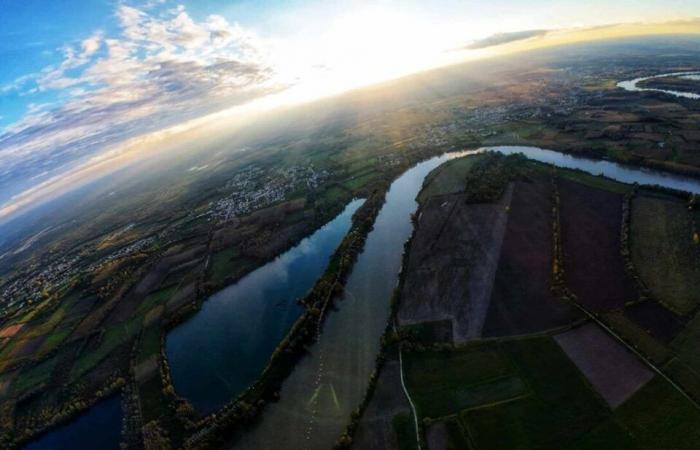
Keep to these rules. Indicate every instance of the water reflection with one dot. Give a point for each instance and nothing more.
(221, 351)
(631, 85)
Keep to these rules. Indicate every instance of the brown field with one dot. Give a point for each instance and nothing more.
(631, 332)
(615, 373)
(658, 321)
(452, 263)
(11, 330)
(522, 301)
(591, 221)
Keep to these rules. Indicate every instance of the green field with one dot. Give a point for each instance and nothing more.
(150, 343)
(637, 336)
(360, 180)
(222, 265)
(658, 417)
(38, 374)
(120, 333)
(687, 343)
(444, 383)
(333, 196)
(594, 181)
(663, 251)
(513, 394)
(449, 178)
(405, 430)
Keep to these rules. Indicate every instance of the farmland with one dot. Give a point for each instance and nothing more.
(591, 220)
(522, 300)
(571, 350)
(506, 256)
(663, 250)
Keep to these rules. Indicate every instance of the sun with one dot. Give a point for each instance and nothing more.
(366, 46)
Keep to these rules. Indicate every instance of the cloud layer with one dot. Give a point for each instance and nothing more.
(505, 38)
(160, 69)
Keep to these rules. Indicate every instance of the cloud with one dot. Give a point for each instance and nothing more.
(91, 45)
(505, 38)
(160, 69)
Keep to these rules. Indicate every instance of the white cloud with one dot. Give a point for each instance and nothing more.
(159, 70)
(91, 45)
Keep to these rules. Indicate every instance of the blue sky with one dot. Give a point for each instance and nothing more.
(80, 78)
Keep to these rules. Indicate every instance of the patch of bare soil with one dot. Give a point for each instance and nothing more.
(591, 221)
(522, 300)
(452, 263)
(11, 330)
(658, 321)
(436, 436)
(613, 371)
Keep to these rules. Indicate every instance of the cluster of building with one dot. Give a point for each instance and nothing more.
(130, 249)
(255, 188)
(27, 290)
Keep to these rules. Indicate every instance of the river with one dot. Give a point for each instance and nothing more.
(631, 85)
(218, 353)
(619, 172)
(319, 396)
(325, 387)
(98, 428)
(222, 349)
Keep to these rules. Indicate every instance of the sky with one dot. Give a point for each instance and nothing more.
(82, 80)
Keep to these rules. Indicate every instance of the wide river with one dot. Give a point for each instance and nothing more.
(324, 388)
(98, 428)
(221, 350)
(631, 85)
(318, 398)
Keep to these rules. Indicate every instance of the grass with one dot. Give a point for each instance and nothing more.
(663, 251)
(334, 195)
(222, 265)
(118, 334)
(359, 181)
(685, 376)
(457, 435)
(509, 394)
(444, 370)
(150, 343)
(637, 336)
(686, 344)
(449, 178)
(155, 298)
(439, 403)
(608, 435)
(555, 407)
(362, 164)
(39, 373)
(112, 338)
(405, 431)
(428, 332)
(658, 417)
(152, 404)
(48, 324)
(56, 337)
(594, 181)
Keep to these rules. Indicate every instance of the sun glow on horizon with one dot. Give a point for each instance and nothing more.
(366, 46)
